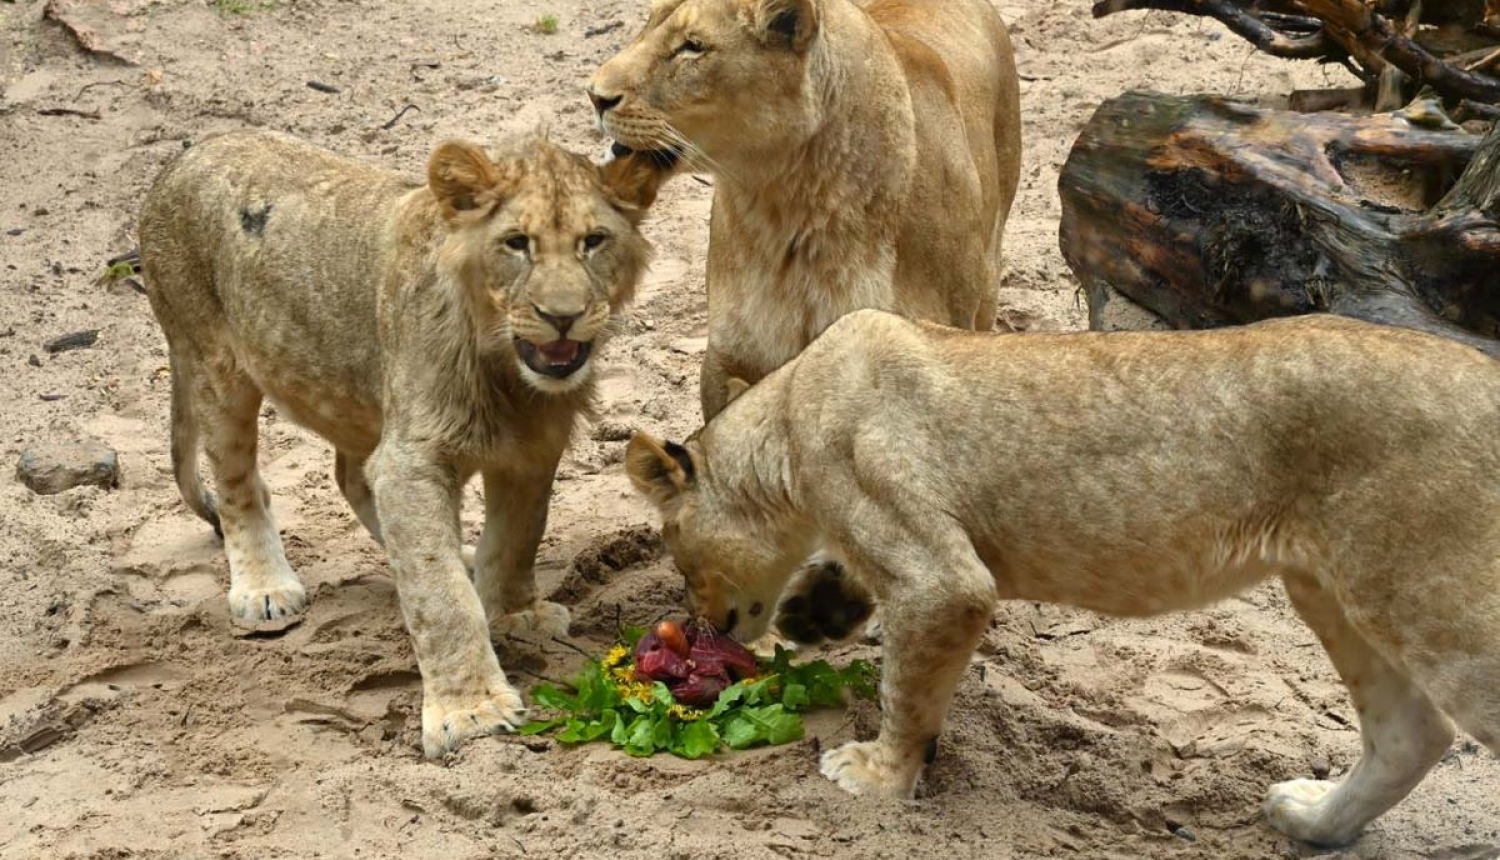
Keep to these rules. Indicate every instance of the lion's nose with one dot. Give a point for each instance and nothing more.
(561, 322)
(602, 102)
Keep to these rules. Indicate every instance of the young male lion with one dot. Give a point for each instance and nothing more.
(427, 331)
(1130, 474)
(865, 155)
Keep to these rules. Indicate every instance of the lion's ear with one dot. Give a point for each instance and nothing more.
(462, 178)
(786, 23)
(660, 470)
(734, 388)
(631, 183)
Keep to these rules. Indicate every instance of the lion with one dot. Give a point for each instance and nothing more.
(1130, 474)
(865, 155)
(428, 332)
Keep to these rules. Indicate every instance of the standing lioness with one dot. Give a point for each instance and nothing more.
(865, 155)
(1130, 474)
(428, 331)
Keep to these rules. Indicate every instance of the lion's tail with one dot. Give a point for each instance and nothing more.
(185, 447)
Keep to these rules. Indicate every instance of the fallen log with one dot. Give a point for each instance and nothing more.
(1207, 212)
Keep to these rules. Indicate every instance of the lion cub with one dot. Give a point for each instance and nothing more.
(1130, 474)
(428, 332)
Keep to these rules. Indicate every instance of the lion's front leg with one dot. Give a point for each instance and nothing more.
(515, 503)
(934, 614)
(464, 692)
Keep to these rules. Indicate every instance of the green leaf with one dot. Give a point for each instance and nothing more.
(728, 698)
(596, 692)
(741, 732)
(664, 733)
(696, 740)
(772, 724)
(573, 732)
(640, 736)
(631, 636)
(794, 697)
(662, 695)
(863, 678)
(549, 696)
(583, 731)
(536, 727)
(780, 725)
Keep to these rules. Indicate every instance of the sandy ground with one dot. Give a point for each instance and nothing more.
(151, 729)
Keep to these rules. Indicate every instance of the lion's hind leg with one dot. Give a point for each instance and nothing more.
(262, 585)
(1404, 733)
(349, 472)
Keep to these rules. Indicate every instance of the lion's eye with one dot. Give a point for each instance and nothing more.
(689, 48)
(518, 242)
(594, 240)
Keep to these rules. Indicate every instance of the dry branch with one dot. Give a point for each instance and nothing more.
(1340, 31)
(1380, 38)
(1256, 30)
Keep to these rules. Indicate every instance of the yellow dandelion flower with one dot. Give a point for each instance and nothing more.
(615, 657)
(685, 713)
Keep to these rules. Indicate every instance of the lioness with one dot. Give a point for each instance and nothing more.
(1130, 474)
(865, 155)
(427, 331)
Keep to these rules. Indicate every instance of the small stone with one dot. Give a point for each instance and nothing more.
(1320, 766)
(1185, 834)
(52, 468)
(34, 361)
(73, 340)
(689, 345)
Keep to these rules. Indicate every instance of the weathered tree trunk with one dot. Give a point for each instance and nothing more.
(1209, 213)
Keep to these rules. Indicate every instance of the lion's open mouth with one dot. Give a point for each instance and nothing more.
(558, 359)
(664, 159)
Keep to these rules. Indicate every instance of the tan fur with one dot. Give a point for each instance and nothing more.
(865, 156)
(1131, 474)
(388, 318)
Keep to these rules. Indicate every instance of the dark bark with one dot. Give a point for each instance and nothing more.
(1212, 213)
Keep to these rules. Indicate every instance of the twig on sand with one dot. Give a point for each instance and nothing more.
(391, 123)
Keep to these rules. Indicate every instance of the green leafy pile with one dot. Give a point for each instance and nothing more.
(643, 719)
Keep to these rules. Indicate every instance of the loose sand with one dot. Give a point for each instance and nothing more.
(134, 722)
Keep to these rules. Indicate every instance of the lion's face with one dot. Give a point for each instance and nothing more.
(712, 80)
(547, 245)
(735, 567)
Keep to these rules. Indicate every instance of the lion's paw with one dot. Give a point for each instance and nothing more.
(860, 768)
(1299, 807)
(544, 618)
(822, 603)
(285, 599)
(449, 721)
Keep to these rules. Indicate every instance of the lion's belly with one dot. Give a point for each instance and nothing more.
(333, 402)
